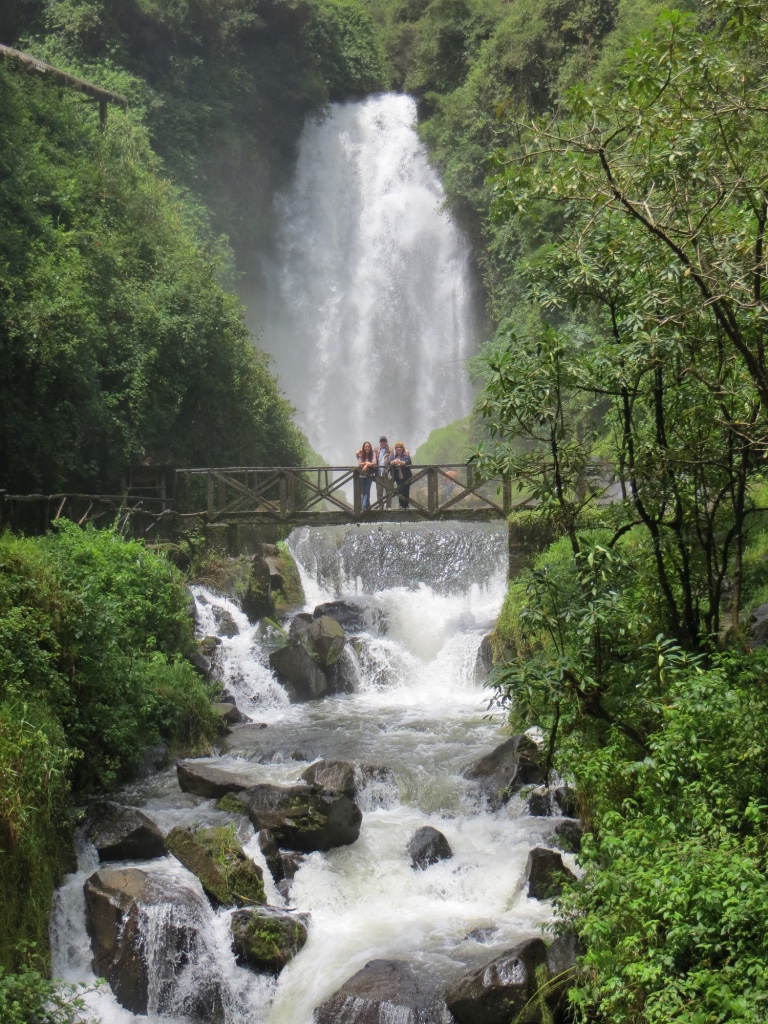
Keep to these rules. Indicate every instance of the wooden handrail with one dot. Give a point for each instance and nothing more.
(16, 60)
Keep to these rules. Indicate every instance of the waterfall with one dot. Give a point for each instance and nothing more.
(368, 307)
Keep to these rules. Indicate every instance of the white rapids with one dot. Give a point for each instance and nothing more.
(420, 712)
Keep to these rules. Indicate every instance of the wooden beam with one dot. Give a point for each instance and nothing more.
(18, 61)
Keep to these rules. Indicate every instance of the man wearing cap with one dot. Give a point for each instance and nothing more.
(383, 474)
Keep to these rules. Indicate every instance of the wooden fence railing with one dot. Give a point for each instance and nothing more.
(334, 493)
(291, 495)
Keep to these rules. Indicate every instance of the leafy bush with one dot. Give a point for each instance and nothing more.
(28, 997)
(672, 907)
(92, 630)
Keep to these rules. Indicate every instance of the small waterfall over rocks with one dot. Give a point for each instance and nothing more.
(369, 307)
(418, 718)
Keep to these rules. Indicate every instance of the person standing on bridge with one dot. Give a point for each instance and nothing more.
(367, 462)
(383, 473)
(400, 461)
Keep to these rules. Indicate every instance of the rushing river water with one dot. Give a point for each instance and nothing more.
(429, 594)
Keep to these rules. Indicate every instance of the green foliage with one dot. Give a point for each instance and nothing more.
(450, 444)
(116, 339)
(28, 997)
(92, 629)
(672, 905)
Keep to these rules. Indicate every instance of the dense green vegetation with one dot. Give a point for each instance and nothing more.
(93, 629)
(120, 336)
(631, 364)
(607, 159)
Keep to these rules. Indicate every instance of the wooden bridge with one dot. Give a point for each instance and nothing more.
(157, 499)
(332, 495)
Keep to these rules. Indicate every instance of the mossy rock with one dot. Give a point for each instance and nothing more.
(266, 939)
(232, 803)
(228, 876)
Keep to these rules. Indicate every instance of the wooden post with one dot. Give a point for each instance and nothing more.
(222, 495)
(511, 568)
(432, 494)
(357, 497)
(291, 490)
(210, 496)
(283, 495)
(506, 494)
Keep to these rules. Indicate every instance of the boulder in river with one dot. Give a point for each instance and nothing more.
(503, 990)
(205, 778)
(568, 835)
(546, 873)
(229, 713)
(225, 623)
(310, 666)
(483, 660)
(332, 776)
(304, 817)
(428, 846)
(384, 990)
(265, 938)
(514, 763)
(227, 874)
(119, 904)
(271, 852)
(123, 833)
(544, 801)
(349, 615)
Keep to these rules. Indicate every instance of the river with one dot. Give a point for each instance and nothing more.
(428, 593)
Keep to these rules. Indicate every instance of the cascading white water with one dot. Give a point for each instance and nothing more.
(369, 304)
(420, 716)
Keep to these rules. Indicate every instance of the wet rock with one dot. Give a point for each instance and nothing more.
(562, 953)
(384, 990)
(326, 638)
(428, 846)
(305, 817)
(546, 873)
(484, 660)
(299, 624)
(291, 863)
(271, 852)
(546, 802)
(202, 665)
(225, 624)
(332, 777)
(208, 780)
(229, 877)
(275, 566)
(568, 835)
(230, 714)
(310, 665)
(209, 644)
(119, 904)
(123, 833)
(349, 615)
(257, 600)
(155, 758)
(501, 991)
(299, 673)
(512, 764)
(265, 939)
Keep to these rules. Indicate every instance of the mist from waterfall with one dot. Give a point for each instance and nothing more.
(368, 306)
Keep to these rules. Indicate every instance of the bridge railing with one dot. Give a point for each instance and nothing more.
(230, 493)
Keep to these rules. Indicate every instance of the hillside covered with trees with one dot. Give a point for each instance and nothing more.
(607, 160)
